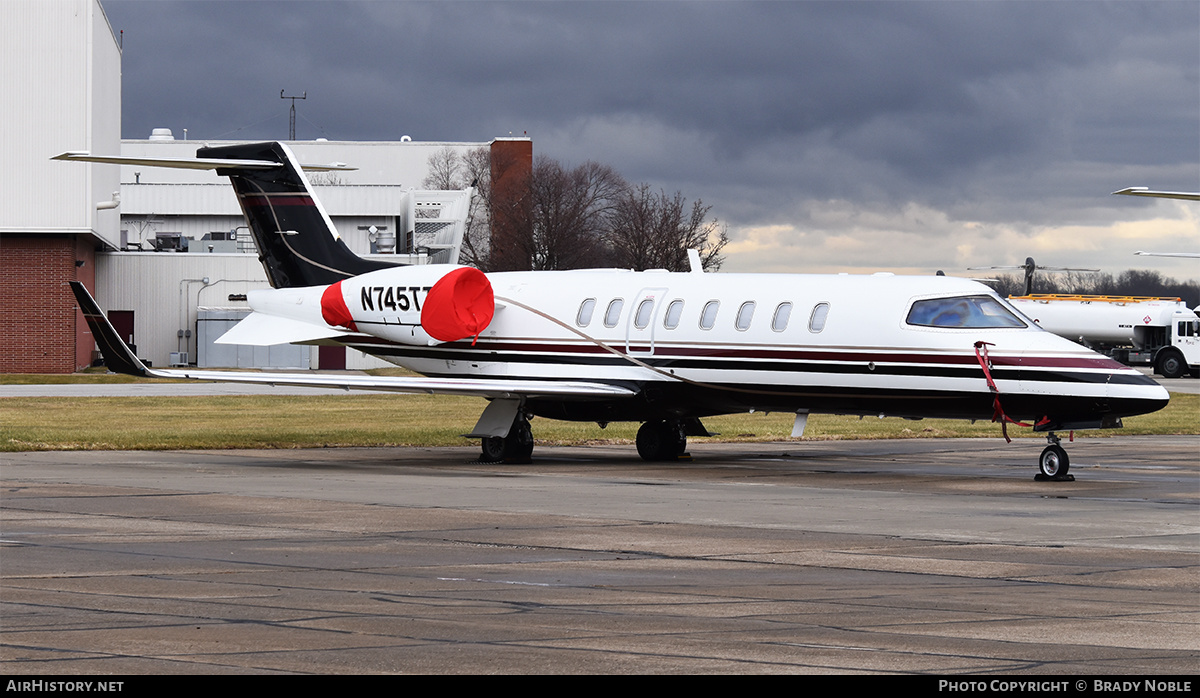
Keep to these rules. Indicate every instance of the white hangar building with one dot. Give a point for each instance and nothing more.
(163, 249)
(61, 64)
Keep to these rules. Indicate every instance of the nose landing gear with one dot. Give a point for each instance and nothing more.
(1054, 463)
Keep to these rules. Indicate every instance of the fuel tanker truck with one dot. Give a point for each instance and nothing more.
(1135, 330)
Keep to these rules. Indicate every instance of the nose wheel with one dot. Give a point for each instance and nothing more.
(1054, 463)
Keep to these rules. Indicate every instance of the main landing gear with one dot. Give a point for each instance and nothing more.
(1054, 463)
(661, 440)
(515, 448)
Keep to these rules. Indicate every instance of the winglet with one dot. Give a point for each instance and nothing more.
(1146, 191)
(117, 356)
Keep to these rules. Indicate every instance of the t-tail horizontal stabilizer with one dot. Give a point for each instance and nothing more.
(296, 239)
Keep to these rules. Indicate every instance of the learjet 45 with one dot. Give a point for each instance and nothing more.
(666, 349)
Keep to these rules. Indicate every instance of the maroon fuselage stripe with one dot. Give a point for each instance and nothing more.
(672, 352)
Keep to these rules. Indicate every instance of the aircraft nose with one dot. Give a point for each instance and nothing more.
(1130, 393)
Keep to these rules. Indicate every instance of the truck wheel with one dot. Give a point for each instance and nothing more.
(1171, 365)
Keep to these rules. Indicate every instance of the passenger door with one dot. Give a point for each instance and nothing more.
(643, 318)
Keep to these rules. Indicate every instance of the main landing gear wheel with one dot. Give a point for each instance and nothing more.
(493, 449)
(1054, 462)
(515, 448)
(660, 441)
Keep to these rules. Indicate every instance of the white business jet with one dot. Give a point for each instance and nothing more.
(665, 349)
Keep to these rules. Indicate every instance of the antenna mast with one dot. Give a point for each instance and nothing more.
(292, 116)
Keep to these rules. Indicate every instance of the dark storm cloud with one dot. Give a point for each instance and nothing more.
(1015, 113)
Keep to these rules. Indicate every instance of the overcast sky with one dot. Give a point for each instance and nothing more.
(842, 136)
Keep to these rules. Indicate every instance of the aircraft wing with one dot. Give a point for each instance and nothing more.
(120, 359)
(1143, 191)
(1187, 255)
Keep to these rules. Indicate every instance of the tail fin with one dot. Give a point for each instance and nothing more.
(297, 242)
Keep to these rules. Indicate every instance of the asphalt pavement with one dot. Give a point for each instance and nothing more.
(939, 556)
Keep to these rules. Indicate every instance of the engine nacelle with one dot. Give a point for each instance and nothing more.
(412, 305)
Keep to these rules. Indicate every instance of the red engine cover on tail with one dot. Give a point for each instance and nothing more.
(333, 308)
(459, 305)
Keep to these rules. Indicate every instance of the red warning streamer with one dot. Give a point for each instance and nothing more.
(998, 415)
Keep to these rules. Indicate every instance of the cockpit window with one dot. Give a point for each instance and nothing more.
(962, 311)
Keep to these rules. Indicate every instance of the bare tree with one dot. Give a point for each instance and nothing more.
(450, 170)
(444, 170)
(324, 179)
(562, 219)
(654, 231)
(476, 168)
(552, 217)
(1131, 282)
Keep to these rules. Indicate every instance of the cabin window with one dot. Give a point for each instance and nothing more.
(744, 316)
(674, 310)
(962, 311)
(584, 317)
(708, 316)
(614, 312)
(816, 321)
(644, 310)
(782, 314)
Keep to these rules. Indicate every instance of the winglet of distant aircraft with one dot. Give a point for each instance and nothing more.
(1144, 191)
(1182, 195)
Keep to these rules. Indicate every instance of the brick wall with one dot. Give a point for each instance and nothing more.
(41, 331)
(512, 166)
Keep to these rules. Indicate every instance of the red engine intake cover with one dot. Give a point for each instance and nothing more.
(459, 305)
(333, 308)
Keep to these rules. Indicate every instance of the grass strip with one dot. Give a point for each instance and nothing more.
(283, 421)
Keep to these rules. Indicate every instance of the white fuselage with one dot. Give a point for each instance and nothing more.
(848, 344)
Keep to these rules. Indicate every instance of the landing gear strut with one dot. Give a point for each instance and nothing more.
(517, 447)
(1054, 463)
(661, 440)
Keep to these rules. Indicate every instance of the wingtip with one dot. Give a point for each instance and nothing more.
(71, 155)
(117, 355)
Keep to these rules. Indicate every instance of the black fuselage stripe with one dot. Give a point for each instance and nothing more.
(1053, 375)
